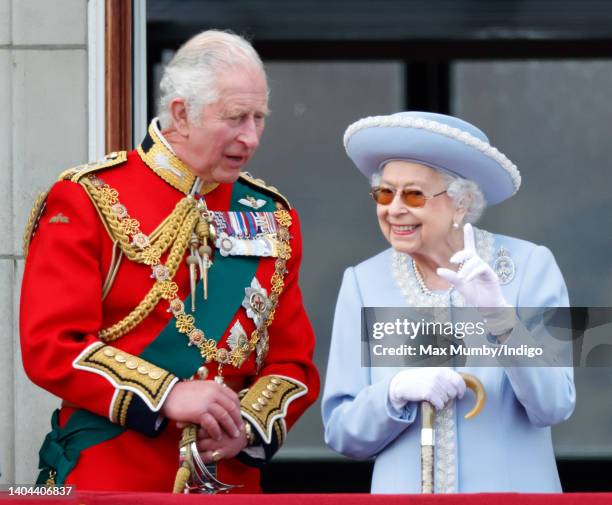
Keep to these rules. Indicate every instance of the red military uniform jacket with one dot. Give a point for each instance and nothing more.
(106, 317)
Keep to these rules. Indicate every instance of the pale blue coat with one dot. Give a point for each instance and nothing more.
(507, 447)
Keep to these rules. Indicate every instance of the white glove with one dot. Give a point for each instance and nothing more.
(436, 385)
(479, 285)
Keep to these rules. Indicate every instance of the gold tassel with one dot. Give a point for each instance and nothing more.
(182, 478)
(183, 474)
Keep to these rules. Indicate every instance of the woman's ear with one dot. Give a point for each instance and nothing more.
(462, 209)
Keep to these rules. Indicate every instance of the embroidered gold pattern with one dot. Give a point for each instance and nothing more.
(74, 174)
(169, 167)
(120, 407)
(265, 404)
(115, 365)
(59, 218)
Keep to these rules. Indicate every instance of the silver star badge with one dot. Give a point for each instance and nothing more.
(256, 302)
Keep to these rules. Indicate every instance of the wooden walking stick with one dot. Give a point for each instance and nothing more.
(428, 416)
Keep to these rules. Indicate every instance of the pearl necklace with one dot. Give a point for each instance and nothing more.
(412, 286)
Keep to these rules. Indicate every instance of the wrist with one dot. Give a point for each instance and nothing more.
(499, 320)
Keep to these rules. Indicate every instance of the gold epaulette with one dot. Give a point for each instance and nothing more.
(261, 185)
(73, 174)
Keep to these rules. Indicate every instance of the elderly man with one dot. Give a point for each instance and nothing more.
(160, 297)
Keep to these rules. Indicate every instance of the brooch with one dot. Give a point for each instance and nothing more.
(504, 266)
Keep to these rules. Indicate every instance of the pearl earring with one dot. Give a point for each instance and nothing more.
(456, 226)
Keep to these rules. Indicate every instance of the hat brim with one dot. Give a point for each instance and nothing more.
(371, 148)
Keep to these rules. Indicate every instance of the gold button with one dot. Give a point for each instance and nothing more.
(263, 401)
(131, 364)
(274, 380)
(202, 372)
(272, 387)
(120, 358)
(267, 394)
(143, 370)
(155, 374)
(109, 352)
(256, 407)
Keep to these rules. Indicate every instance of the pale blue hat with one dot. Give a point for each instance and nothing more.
(441, 142)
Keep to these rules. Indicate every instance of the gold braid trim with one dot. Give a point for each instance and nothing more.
(121, 226)
(35, 215)
(174, 232)
(159, 289)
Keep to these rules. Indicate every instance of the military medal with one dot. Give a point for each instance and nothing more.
(246, 233)
(504, 266)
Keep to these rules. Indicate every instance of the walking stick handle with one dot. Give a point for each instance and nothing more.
(481, 396)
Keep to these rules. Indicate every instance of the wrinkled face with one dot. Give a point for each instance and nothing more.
(227, 133)
(416, 230)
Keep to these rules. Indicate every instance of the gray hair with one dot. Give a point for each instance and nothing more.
(464, 193)
(193, 71)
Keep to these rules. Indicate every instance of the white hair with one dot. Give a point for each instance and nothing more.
(193, 71)
(464, 193)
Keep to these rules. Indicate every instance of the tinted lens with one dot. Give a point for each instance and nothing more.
(383, 196)
(413, 198)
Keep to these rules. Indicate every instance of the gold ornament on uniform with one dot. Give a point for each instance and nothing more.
(201, 250)
(173, 233)
(177, 233)
(259, 337)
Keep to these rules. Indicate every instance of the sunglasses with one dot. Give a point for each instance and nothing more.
(410, 197)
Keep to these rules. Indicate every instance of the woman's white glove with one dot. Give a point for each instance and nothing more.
(436, 385)
(479, 285)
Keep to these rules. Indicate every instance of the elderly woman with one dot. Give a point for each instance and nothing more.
(432, 175)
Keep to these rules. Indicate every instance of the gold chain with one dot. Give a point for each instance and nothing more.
(126, 230)
(178, 228)
(161, 289)
(207, 346)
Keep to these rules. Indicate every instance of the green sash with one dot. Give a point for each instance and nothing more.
(227, 279)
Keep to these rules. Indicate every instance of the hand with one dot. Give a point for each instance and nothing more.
(475, 280)
(436, 385)
(226, 447)
(479, 285)
(210, 405)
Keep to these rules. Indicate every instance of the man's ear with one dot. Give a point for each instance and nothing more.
(180, 118)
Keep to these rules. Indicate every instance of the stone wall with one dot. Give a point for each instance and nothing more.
(43, 130)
